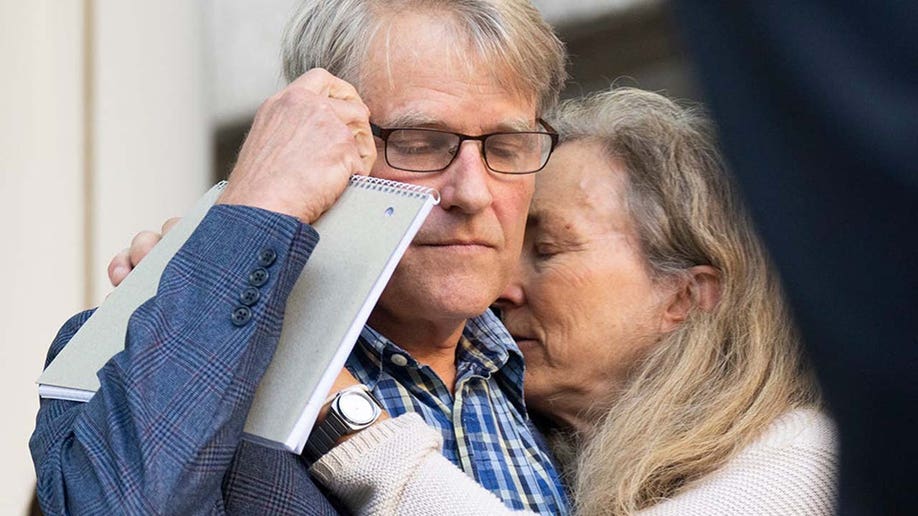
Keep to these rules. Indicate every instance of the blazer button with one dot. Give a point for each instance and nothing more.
(249, 296)
(241, 315)
(266, 257)
(258, 277)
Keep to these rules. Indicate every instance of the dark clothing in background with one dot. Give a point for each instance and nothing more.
(817, 106)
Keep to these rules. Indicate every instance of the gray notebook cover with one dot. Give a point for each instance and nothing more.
(72, 374)
(362, 238)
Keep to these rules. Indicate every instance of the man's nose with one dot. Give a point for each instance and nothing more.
(513, 295)
(467, 181)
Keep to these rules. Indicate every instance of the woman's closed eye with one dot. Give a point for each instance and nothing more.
(547, 251)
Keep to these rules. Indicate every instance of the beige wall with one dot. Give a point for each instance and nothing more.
(150, 120)
(41, 162)
(77, 179)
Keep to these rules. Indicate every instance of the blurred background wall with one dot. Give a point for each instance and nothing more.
(117, 114)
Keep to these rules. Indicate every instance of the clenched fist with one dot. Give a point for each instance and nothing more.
(305, 143)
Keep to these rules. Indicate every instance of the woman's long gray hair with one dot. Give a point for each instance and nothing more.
(714, 384)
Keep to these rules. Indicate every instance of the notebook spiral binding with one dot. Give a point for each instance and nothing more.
(387, 186)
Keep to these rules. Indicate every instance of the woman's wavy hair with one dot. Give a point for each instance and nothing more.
(510, 37)
(711, 386)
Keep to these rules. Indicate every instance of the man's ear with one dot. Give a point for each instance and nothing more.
(699, 289)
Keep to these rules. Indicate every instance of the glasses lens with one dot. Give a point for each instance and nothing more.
(420, 150)
(517, 153)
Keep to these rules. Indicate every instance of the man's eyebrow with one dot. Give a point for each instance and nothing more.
(412, 119)
(415, 119)
(518, 125)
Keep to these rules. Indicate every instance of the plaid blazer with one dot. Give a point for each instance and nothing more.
(163, 433)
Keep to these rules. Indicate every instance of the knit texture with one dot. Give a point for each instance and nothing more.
(395, 467)
(789, 470)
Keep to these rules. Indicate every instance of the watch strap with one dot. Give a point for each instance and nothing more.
(325, 434)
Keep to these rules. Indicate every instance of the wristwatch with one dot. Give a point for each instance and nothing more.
(352, 409)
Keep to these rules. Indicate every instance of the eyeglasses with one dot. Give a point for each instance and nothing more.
(432, 150)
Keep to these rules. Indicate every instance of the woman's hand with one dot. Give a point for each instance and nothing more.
(125, 261)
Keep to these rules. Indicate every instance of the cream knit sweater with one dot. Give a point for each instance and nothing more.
(395, 467)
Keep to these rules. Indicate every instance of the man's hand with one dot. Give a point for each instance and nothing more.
(305, 143)
(125, 261)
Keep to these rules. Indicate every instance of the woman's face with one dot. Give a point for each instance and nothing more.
(581, 304)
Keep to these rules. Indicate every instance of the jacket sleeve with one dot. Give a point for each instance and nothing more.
(396, 467)
(162, 429)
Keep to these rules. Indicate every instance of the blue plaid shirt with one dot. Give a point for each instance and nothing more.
(485, 429)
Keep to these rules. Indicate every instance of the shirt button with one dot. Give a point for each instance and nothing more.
(266, 257)
(399, 360)
(241, 315)
(249, 296)
(258, 277)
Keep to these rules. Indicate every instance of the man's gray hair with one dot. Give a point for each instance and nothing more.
(509, 36)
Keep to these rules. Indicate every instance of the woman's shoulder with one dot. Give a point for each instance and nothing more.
(802, 429)
(790, 469)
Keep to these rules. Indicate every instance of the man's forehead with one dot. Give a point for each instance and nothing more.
(416, 118)
(425, 74)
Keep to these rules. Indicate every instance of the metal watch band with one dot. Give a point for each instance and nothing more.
(325, 435)
(323, 438)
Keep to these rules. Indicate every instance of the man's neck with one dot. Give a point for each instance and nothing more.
(429, 342)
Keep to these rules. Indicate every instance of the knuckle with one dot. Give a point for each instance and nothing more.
(319, 72)
(262, 112)
(325, 108)
(290, 97)
(169, 224)
(140, 237)
(144, 241)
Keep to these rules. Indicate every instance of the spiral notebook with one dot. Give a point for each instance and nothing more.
(362, 238)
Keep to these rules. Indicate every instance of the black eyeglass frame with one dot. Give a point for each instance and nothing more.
(383, 134)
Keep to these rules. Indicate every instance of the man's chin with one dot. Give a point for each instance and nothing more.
(459, 307)
(443, 289)
(436, 302)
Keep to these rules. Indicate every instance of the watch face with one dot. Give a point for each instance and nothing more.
(356, 408)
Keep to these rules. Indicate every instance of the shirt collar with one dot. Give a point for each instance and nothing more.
(489, 346)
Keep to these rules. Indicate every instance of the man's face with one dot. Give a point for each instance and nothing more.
(463, 255)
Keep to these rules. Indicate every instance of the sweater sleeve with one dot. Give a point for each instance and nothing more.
(791, 469)
(395, 467)
(161, 431)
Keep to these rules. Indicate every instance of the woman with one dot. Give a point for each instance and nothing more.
(659, 351)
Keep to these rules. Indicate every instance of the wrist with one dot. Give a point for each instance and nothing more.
(347, 412)
(323, 413)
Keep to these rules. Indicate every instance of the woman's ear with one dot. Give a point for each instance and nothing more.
(700, 288)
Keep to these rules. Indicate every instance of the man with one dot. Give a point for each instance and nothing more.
(162, 435)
